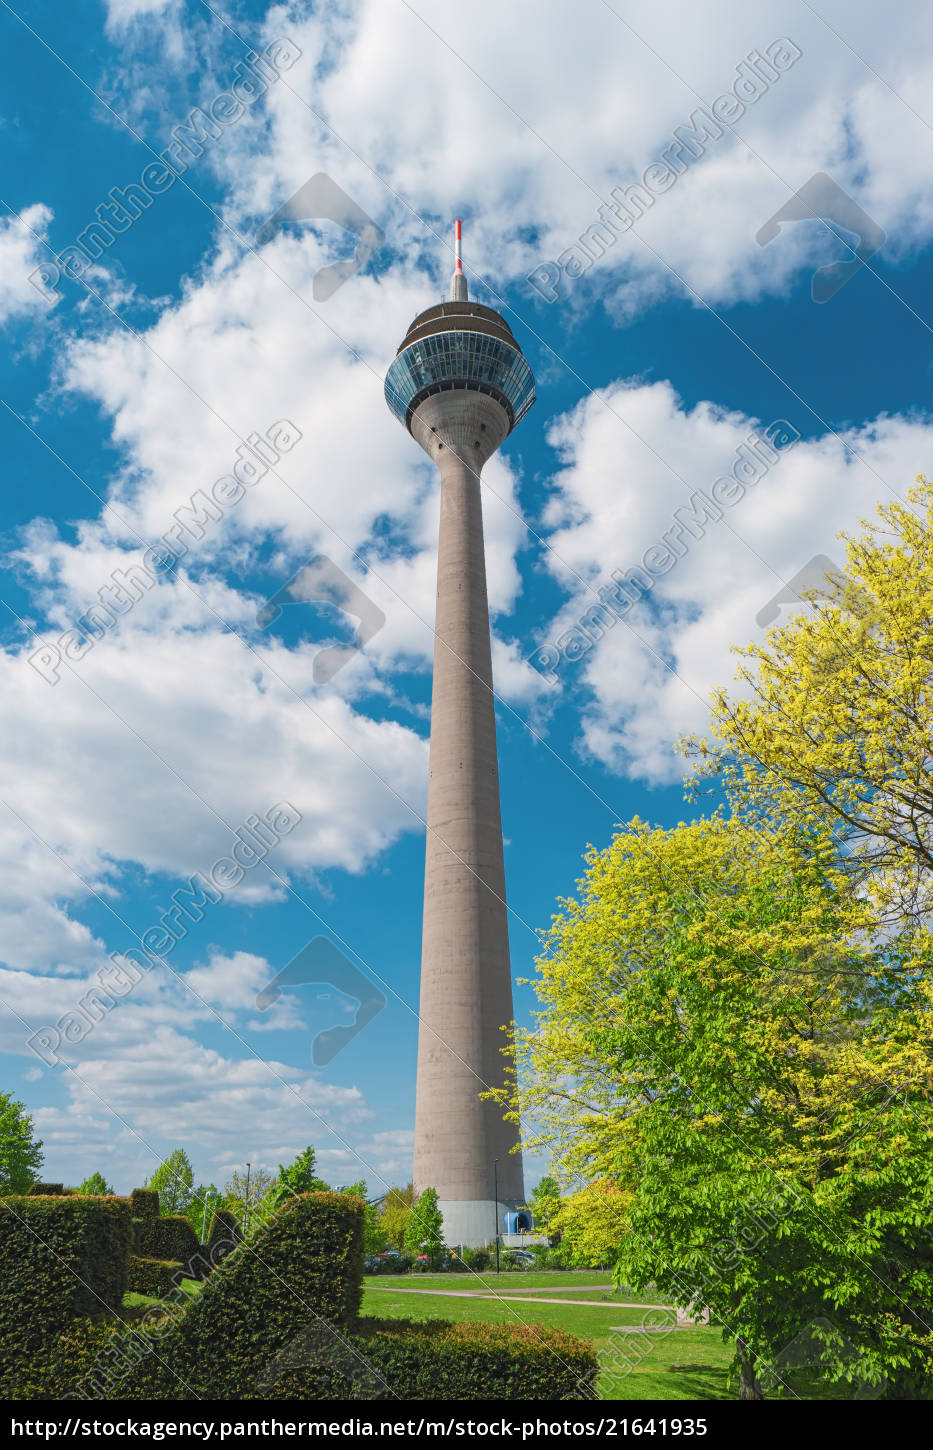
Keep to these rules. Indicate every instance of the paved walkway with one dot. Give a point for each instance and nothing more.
(517, 1298)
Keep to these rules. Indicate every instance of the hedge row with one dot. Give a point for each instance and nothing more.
(144, 1202)
(153, 1277)
(56, 1369)
(398, 1359)
(63, 1258)
(277, 1318)
(305, 1262)
(377, 1359)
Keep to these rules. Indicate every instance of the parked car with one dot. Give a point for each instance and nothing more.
(390, 1262)
(520, 1258)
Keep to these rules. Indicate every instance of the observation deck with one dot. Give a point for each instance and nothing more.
(459, 346)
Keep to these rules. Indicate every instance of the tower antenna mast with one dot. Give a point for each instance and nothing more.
(458, 282)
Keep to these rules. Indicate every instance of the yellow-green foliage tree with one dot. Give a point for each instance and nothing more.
(835, 715)
(396, 1211)
(721, 1040)
(545, 1206)
(591, 1224)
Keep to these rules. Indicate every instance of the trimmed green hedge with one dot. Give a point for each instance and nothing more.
(278, 1318)
(223, 1236)
(63, 1258)
(171, 1237)
(154, 1277)
(306, 1261)
(434, 1359)
(144, 1202)
(53, 1371)
(48, 1190)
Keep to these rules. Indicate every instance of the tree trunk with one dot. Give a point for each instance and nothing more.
(750, 1387)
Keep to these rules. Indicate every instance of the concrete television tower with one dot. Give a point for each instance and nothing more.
(459, 383)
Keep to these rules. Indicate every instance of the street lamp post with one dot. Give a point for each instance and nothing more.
(495, 1191)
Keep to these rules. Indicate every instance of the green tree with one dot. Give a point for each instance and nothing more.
(394, 1215)
(424, 1230)
(95, 1184)
(545, 1206)
(589, 1225)
(247, 1195)
(299, 1176)
(173, 1180)
(834, 717)
(374, 1238)
(21, 1155)
(207, 1193)
(724, 1039)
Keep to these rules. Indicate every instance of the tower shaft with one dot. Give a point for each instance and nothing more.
(466, 987)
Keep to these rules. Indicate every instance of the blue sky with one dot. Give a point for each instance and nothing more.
(129, 385)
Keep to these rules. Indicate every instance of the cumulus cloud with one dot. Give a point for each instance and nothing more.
(21, 253)
(634, 459)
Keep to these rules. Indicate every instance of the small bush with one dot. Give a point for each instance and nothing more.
(435, 1359)
(477, 1259)
(144, 1202)
(63, 1258)
(154, 1277)
(48, 1190)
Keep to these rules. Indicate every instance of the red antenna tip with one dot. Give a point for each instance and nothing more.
(459, 265)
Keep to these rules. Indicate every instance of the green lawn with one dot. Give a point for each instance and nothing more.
(681, 1365)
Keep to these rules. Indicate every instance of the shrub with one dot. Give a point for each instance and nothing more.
(477, 1259)
(48, 1190)
(277, 1319)
(63, 1258)
(144, 1202)
(434, 1359)
(171, 1237)
(154, 1277)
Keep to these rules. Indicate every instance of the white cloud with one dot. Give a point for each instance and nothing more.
(21, 253)
(122, 13)
(648, 679)
(140, 1083)
(542, 131)
(158, 746)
